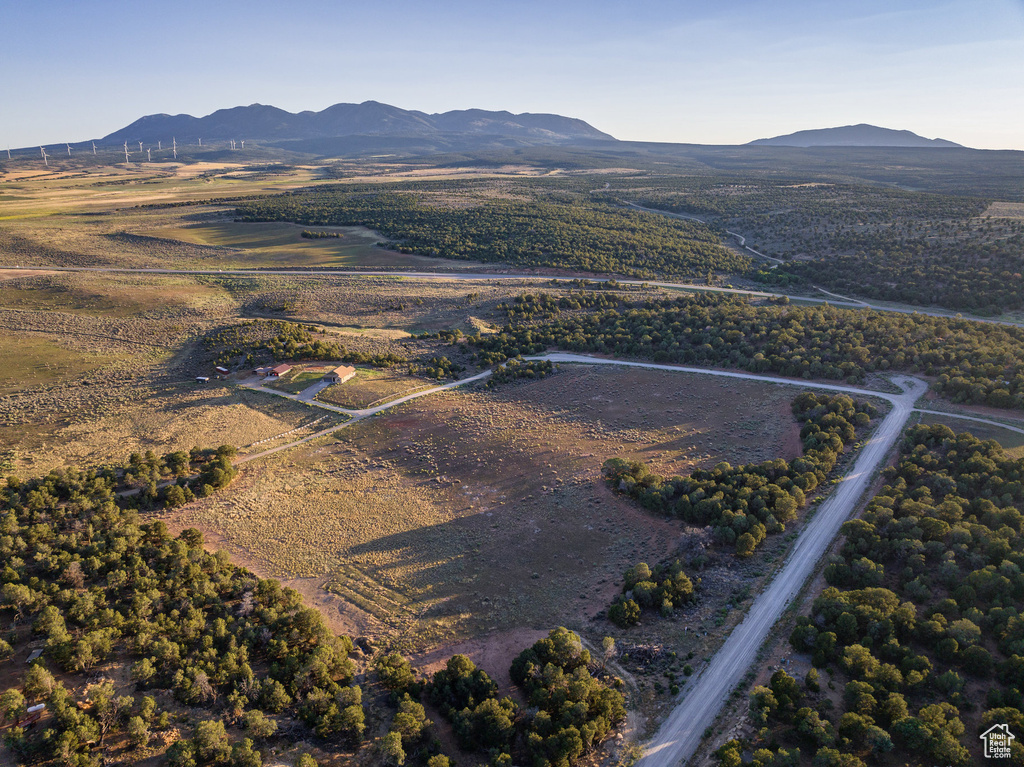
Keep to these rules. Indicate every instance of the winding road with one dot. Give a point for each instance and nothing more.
(739, 237)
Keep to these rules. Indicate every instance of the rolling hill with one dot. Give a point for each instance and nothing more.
(854, 135)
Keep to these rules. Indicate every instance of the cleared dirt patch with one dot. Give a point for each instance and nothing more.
(14, 274)
(1005, 210)
(493, 653)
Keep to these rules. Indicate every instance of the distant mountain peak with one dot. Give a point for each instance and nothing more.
(854, 135)
(262, 122)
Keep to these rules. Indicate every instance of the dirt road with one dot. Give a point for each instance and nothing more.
(483, 276)
(681, 733)
(740, 239)
(357, 415)
(976, 419)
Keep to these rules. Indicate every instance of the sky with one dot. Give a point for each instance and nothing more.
(709, 72)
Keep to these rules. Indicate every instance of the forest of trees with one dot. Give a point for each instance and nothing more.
(975, 363)
(436, 368)
(151, 481)
(551, 229)
(920, 624)
(745, 503)
(84, 576)
(569, 711)
(870, 241)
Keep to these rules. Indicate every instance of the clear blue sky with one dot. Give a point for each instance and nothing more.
(675, 70)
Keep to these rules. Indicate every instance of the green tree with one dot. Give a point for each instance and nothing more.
(624, 613)
(138, 732)
(391, 749)
(12, 705)
(258, 725)
(210, 742)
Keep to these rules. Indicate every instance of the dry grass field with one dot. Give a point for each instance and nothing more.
(82, 187)
(372, 387)
(474, 512)
(138, 418)
(116, 296)
(32, 360)
(247, 245)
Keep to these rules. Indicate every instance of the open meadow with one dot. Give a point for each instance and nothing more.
(245, 245)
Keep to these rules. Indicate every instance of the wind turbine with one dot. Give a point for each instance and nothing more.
(149, 154)
(140, 146)
(8, 151)
(200, 142)
(43, 152)
(174, 147)
(126, 154)
(243, 143)
(158, 145)
(69, 148)
(93, 148)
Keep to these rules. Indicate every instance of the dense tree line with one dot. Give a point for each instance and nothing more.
(664, 588)
(545, 305)
(513, 370)
(746, 503)
(569, 712)
(870, 241)
(320, 235)
(976, 363)
(96, 584)
(983, 278)
(552, 230)
(921, 617)
(437, 368)
(247, 342)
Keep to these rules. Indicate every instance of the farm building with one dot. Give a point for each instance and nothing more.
(279, 371)
(202, 379)
(340, 374)
(222, 370)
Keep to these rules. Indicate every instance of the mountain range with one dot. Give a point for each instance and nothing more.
(258, 122)
(853, 135)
